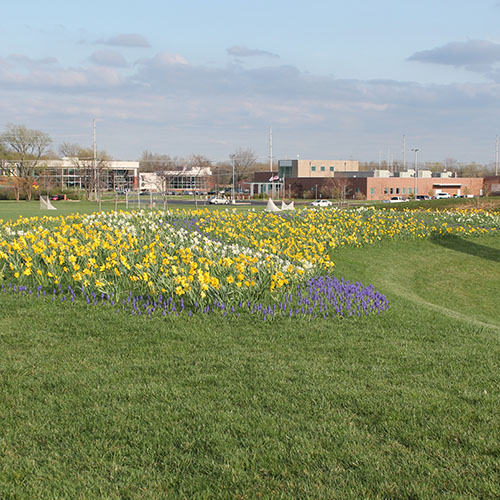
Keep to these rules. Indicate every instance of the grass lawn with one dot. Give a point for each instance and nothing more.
(403, 405)
(11, 210)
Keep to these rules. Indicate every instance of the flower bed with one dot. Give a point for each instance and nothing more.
(221, 260)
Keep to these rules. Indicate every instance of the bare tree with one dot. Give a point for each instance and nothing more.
(339, 187)
(244, 161)
(46, 181)
(451, 164)
(89, 169)
(223, 174)
(167, 173)
(199, 165)
(154, 162)
(25, 149)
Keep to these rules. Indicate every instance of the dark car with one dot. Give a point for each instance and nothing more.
(57, 197)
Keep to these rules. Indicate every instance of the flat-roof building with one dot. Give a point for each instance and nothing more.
(314, 168)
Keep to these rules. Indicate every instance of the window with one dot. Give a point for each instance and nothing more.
(313, 169)
(285, 171)
(410, 191)
(397, 190)
(404, 190)
(372, 190)
(386, 190)
(331, 169)
(356, 190)
(392, 190)
(323, 169)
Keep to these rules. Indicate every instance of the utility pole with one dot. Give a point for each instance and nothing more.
(232, 190)
(416, 150)
(496, 158)
(270, 149)
(404, 153)
(97, 192)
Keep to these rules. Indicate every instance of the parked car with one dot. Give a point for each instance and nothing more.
(422, 197)
(397, 199)
(218, 201)
(321, 203)
(57, 197)
(442, 196)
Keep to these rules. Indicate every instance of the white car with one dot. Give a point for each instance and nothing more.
(442, 196)
(218, 201)
(397, 199)
(321, 203)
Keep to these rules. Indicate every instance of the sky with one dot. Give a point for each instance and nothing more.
(334, 80)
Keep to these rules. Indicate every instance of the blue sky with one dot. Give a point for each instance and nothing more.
(334, 79)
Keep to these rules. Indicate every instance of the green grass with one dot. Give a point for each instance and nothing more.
(11, 210)
(403, 405)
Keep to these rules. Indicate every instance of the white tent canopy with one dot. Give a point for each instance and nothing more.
(45, 203)
(271, 206)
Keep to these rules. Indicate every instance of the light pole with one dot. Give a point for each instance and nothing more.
(232, 193)
(416, 150)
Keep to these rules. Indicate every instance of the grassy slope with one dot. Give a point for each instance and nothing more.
(403, 405)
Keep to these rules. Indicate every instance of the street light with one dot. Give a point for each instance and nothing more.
(232, 193)
(416, 150)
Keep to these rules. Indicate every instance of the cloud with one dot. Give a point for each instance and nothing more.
(126, 40)
(474, 55)
(26, 61)
(162, 60)
(108, 58)
(55, 80)
(198, 106)
(240, 51)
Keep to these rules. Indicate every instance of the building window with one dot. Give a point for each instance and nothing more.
(285, 171)
(323, 169)
(356, 190)
(404, 190)
(392, 190)
(372, 190)
(410, 191)
(313, 169)
(331, 169)
(397, 190)
(386, 190)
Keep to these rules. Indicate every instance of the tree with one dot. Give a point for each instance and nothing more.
(339, 189)
(223, 175)
(154, 162)
(167, 172)
(244, 161)
(451, 164)
(198, 164)
(89, 171)
(24, 149)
